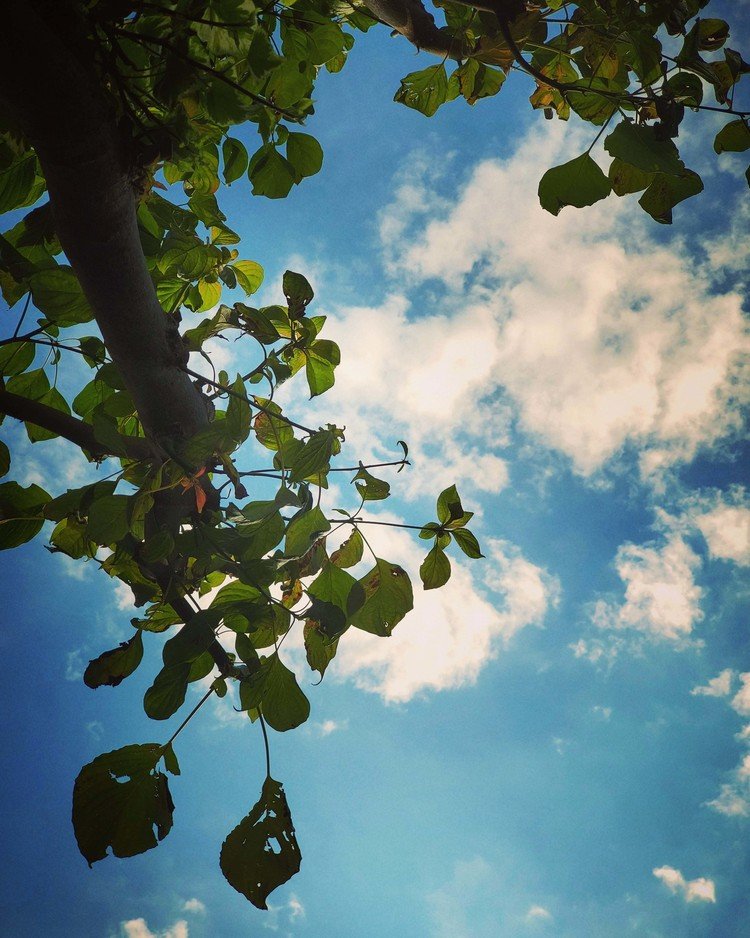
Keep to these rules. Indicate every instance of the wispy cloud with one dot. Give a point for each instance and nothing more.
(718, 686)
(694, 890)
(137, 928)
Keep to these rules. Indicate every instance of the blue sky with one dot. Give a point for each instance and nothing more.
(554, 744)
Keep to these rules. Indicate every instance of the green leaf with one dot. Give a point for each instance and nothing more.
(303, 531)
(235, 159)
(298, 293)
(112, 667)
(370, 488)
(15, 357)
(467, 542)
(16, 183)
(388, 597)
(321, 358)
(319, 648)
(579, 182)
(436, 569)
(350, 552)
(261, 853)
(305, 154)
(195, 637)
(336, 597)
(121, 815)
(108, 519)
(167, 694)
(641, 146)
(626, 178)
(271, 174)
(477, 81)
(667, 191)
(424, 91)
(58, 294)
(712, 34)
(273, 690)
(733, 137)
(449, 506)
(239, 415)
(249, 275)
(4, 459)
(21, 515)
(313, 457)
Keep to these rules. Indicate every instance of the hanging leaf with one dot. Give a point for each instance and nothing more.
(262, 853)
(388, 597)
(436, 569)
(579, 182)
(114, 666)
(129, 816)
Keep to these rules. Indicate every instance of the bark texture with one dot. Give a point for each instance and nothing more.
(49, 83)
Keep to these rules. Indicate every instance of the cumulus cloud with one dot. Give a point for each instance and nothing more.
(452, 633)
(723, 518)
(137, 928)
(195, 906)
(598, 336)
(718, 686)
(741, 700)
(694, 890)
(662, 601)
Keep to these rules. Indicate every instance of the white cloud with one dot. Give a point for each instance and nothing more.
(741, 700)
(452, 633)
(723, 518)
(74, 665)
(284, 915)
(326, 727)
(718, 686)
(733, 799)
(600, 336)
(536, 914)
(123, 595)
(195, 906)
(662, 601)
(137, 928)
(694, 890)
(603, 713)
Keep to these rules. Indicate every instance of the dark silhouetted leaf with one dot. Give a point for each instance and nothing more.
(121, 802)
(114, 666)
(261, 853)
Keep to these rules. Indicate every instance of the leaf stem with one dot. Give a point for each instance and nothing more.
(188, 718)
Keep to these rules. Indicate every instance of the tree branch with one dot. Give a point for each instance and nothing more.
(69, 119)
(411, 20)
(73, 429)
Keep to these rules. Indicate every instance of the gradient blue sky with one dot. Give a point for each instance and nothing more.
(554, 744)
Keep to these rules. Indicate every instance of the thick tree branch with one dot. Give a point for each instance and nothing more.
(410, 18)
(73, 429)
(49, 83)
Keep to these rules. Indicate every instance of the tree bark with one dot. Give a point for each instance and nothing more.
(50, 85)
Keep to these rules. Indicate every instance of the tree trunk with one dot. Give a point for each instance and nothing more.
(49, 84)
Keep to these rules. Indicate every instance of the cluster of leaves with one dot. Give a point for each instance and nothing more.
(182, 526)
(227, 577)
(642, 62)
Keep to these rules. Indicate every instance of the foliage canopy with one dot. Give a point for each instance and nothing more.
(134, 156)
